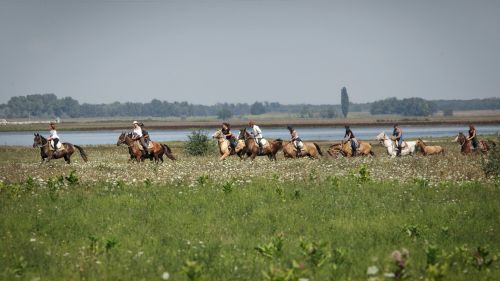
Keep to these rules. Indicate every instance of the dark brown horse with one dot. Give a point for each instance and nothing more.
(252, 149)
(466, 144)
(139, 155)
(66, 150)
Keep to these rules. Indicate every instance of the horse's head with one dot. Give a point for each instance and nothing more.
(217, 134)
(243, 134)
(420, 142)
(121, 139)
(460, 137)
(381, 136)
(38, 141)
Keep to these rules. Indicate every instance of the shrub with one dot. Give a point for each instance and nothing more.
(198, 143)
(491, 164)
(448, 111)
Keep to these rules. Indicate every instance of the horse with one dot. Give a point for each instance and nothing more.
(224, 147)
(391, 146)
(252, 149)
(466, 144)
(311, 149)
(364, 149)
(335, 149)
(139, 155)
(429, 150)
(66, 150)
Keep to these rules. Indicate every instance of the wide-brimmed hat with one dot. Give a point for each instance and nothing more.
(251, 123)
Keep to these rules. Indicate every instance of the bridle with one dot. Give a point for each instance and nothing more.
(39, 141)
(123, 139)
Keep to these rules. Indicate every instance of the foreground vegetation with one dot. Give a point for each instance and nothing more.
(329, 219)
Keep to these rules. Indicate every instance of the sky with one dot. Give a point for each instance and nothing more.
(205, 52)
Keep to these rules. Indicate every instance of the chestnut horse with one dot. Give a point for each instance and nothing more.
(66, 150)
(429, 150)
(139, 155)
(252, 149)
(466, 144)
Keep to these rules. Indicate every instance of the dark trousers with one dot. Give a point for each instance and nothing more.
(56, 141)
(143, 142)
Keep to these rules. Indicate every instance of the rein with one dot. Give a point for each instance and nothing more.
(123, 141)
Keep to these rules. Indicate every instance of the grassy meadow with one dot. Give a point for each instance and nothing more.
(410, 218)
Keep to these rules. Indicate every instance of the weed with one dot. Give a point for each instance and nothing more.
(275, 176)
(111, 243)
(334, 181)
(19, 266)
(272, 249)
(479, 259)
(364, 174)
(202, 179)
(73, 180)
(147, 182)
(120, 183)
(193, 270)
(315, 253)
(227, 187)
(30, 182)
(313, 176)
(411, 230)
(297, 194)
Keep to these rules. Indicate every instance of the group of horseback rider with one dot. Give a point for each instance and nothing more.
(140, 134)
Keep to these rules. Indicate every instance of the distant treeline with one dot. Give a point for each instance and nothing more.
(49, 106)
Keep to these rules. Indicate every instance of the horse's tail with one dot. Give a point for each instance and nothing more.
(318, 149)
(82, 153)
(168, 151)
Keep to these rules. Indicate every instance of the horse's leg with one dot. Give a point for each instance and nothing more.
(43, 159)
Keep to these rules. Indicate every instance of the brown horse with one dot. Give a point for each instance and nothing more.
(66, 150)
(429, 150)
(365, 149)
(252, 149)
(225, 149)
(335, 149)
(139, 155)
(466, 144)
(311, 149)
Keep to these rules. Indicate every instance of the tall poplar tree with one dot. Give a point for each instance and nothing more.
(344, 100)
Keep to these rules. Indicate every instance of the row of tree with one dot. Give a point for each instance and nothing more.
(49, 106)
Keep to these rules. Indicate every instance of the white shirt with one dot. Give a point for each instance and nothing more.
(138, 131)
(53, 134)
(256, 130)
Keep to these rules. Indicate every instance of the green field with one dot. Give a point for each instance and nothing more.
(224, 221)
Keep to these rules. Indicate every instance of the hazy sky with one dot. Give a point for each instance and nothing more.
(205, 52)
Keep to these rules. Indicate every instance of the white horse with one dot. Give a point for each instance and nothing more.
(391, 147)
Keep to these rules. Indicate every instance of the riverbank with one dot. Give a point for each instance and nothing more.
(74, 125)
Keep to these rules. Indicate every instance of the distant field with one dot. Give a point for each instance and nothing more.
(265, 121)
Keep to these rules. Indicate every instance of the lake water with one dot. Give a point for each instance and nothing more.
(111, 137)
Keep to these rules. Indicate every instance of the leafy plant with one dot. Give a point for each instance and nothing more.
(202, 179)
(296, 194)
(479, 259)
(290, 274)
(111, 243)
(422, 182)
(398, 264)
(30, 182)
(273, 248)
(364, 174)
(280, 190)
(120, 183)
(315, 253)
(193, 270)
(72, 178)
(60, 179)
(53, 192)
(334, 181)
(275, 176)
(19, 265)
(313, 176)
(198, 143)
(411, 230)
(338, 257)
(147, 182)
(436, 272)
(227, 187)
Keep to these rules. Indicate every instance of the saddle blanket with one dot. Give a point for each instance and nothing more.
(150, 145)
(301, 146)
(52, 145)
(264, 143)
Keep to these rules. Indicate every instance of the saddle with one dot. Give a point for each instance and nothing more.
(301, 146)
(150, 145)
(51, 146)
(264, 143)
(403, 145)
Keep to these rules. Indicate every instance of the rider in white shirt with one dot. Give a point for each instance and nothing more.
(257, 134)
(53, 135)
(138, 135)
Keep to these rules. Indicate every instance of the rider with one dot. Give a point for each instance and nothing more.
(295, 138)
(226, 131)
(398, 136)
(257, 134)
(53, 135)
(139, 135)
(472, 136)
(144, 132)
(350, 137)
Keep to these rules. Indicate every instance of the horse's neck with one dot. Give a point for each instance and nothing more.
(128, 140)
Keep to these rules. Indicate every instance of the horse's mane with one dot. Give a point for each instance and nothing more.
(422, 142)
(278, 140)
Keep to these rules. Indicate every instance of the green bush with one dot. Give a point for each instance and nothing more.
(491, 163)
(198, 143)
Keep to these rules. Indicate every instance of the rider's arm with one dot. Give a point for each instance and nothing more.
(294, 136)
(473, 134)
(399, 133)
(228, 135)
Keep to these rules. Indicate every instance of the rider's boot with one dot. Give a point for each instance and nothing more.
(354, 153)
(398, 151)
(299, 153)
